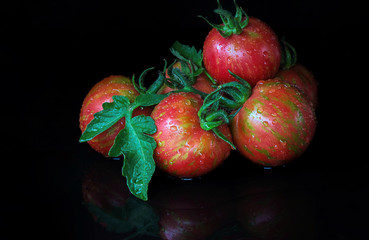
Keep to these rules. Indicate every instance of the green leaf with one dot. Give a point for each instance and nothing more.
(111, 113)
(148, 99)
(138, 149)
(289, 55)
(187, 53)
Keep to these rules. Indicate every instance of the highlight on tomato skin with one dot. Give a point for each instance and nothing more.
(100, 93)
(184, 149)
(275, 125)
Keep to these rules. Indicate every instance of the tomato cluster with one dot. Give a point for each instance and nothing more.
(243, 91)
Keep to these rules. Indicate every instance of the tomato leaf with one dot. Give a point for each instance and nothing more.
(111, 113)
(138, 149)
(148, 99)
(187, 53)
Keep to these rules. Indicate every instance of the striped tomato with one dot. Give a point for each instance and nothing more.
(253, 54)
(301, 78)
(275, 125)
(184, 149)
(102, 92)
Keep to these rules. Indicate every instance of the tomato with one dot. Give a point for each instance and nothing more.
(100, 93)
(301, 78)
(184, 149)
(203, 83)
(254, 54)
(275, 125)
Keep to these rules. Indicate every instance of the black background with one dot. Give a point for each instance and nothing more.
(53, 52)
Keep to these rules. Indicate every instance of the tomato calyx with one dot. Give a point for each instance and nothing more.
(182, 81)
(289, 55)
(219, 106)
(231, 24)
(155, 87)
(222, 105)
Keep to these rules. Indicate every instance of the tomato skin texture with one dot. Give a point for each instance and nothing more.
(275, 125)
(301, 78)
(100, 93)
(253, 55)
(184, 149)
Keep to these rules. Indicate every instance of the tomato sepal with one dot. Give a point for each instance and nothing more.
(231, 24)
(288, 55)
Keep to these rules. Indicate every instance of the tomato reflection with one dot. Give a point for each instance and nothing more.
(192, 210)
(276, 208)
(263, 206)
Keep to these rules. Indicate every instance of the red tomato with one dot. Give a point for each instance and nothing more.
(184, 149)
(301, 78)
(203, 83)
(103, 92)
(275, 125)
(253, 55)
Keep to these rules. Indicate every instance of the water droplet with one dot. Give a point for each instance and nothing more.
(265, 123)
(180, 110)
(283, 142)
(260, 110)
(173, 128)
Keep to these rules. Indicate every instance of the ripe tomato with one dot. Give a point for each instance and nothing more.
(203, 83)
(103, 92)
(301, 78)
(184, 149)
(253, 55)
(275, 125)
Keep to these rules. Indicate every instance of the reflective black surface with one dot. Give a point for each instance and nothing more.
(53, 52)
